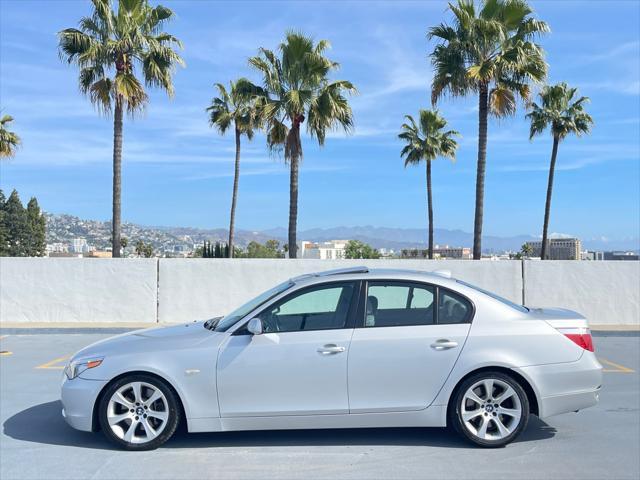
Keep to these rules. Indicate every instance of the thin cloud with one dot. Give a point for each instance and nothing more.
(262, 171)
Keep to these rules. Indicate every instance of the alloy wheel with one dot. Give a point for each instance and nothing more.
(137, 412)
(491, 409)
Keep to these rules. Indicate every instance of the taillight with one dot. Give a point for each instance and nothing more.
(579, 336)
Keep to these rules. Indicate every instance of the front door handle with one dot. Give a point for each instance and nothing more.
(443, 344)
(330, 349)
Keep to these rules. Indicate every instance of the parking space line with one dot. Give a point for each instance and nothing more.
(52, 365)
(617, 368)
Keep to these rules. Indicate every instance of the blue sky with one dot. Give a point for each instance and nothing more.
(177, 171)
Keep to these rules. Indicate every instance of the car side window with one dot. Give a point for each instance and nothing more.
(452, 308)
(395, 304)
(318, 308)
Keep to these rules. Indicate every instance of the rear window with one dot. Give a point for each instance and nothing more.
(503, 300)
(396, 304)
(452, 308)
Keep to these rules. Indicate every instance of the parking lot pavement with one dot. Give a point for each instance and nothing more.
(601, 442)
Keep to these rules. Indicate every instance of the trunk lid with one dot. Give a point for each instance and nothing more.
(571, 324)
(560, 317)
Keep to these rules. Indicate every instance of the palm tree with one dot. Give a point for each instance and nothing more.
(489, 52)
(9, 141)
(526, 250)
(427, 141)
(564, 114)
(296, 88)
(235, 108)
(108, 48)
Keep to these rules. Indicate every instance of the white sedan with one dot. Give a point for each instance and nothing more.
(341, 349)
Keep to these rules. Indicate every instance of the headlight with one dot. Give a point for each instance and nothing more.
(76, 367)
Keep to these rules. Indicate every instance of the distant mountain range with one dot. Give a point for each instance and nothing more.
(398, 238)
(63, 228)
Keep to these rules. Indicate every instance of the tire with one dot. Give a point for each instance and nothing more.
(480, 421)
(139, 412)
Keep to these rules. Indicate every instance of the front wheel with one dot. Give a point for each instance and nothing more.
(491, 409)
(139, 412)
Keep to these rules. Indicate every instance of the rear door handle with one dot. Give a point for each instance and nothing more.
(330, 349)
(444, 344)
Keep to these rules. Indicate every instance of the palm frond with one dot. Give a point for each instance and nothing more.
(110, 46)
(127, 87)
(427, 139)
(296, 88)
(560, 111)
(101, 92)
(492, 47)
(9, 141)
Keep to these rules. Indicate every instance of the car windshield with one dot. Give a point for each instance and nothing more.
(509, 303)
(225, 323)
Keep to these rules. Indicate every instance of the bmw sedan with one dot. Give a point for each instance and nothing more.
(346, 348)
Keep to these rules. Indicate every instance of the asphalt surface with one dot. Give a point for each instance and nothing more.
(36, 443)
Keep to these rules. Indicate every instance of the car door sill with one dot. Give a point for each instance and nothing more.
(434, 416)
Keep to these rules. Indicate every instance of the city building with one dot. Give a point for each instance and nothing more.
(100, 254)
(65, 255)
(79, 245)
(559, 248)
(387, 253)
(589, 255)
(439, 252)
(333, 250)
(58, 247)
(620, 255)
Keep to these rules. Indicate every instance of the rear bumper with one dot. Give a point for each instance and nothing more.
(78, 397)
(571, 402)
(566, 387)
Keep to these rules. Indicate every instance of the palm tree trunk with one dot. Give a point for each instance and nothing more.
(547, 207)
(293, 206)
(117, 179)
(430, 209)
(234, 198)
(483, 113)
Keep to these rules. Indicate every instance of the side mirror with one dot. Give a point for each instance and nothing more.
(255, 326)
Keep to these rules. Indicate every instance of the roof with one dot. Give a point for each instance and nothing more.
(359, 272)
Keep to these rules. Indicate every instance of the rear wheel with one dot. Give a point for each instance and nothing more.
(490, 409)
(139, 412)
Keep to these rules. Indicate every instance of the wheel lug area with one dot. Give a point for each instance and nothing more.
(131, 410)
(137, 418)
(144, 416)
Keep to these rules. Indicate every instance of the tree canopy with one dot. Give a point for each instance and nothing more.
(22, 230)
(356, 249)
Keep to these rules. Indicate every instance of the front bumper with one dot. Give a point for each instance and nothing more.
(78, 398)
(566, 387)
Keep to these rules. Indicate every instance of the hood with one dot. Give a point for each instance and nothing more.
(160, 338)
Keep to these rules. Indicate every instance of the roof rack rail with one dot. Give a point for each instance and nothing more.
(343, 271)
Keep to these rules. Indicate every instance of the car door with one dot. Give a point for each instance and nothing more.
(298, 366)
(406, 345)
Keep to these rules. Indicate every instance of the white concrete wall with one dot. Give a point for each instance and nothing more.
(78, 290)
(606, 292)
(203, 288)
(72, 290)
